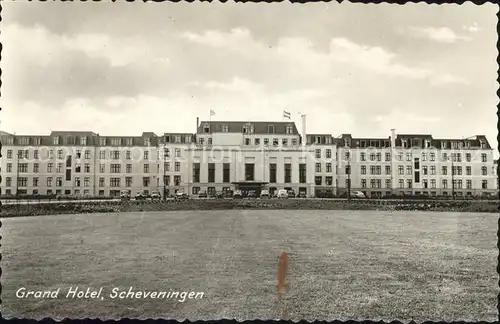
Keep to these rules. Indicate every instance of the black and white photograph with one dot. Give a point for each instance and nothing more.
(247, 161)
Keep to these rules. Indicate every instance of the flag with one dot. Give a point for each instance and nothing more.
(212, 112)
(286, 114)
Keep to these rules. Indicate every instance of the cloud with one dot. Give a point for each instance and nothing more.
(440, 35)
(474, 28)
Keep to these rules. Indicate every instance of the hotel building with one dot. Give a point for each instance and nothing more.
(238, 155)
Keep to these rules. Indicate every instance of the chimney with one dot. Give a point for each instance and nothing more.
(393, 138)
(197, 123)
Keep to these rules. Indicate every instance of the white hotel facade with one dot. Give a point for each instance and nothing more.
(224, 155)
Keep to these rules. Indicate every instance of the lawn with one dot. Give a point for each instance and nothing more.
(343, 264)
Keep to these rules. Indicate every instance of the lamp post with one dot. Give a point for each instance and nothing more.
(348, 175)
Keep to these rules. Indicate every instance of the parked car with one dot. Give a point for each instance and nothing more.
(357, 194)
(140, 195)
(282, 193)
(181, 195)
(252, 194)
(291, 194)
(212, 195)
(125, 195)
(202, 194)
(155, 195)
(302, 195)
(237, 194)
(265, 194)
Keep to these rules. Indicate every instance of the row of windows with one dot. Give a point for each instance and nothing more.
(457, 184)
(113, 182)
(455, 157)
(248, 129)
(114, 155)
(114, 168)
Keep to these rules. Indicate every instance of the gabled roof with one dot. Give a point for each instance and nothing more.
(260, 127)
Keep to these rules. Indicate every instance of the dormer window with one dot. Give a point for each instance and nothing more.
(115, 142)
(147, 142)
(129, 141)
(187, 139)
(405, 143)
(225, 128)
(24, 141)
(56, 140)
(83, 140)
(177, 139)
(202, 140)
(270, 129)
(348, 142)
(246, 129)
(206, 128)
(289, 129)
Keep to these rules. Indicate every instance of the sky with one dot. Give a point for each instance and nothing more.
(128, 68)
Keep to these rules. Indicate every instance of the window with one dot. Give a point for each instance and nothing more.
(484, 184)
(115, 168)
(328, 153)
(226, 167)
(249, 171)
(275, 142)
(22, 182)
(318, 180)
(146, 168)
(166, 165)
(196, 190)
(87, 155)
(363, 183)
(468, 157)
(408, 156)
(417, 177)
(483, 159)
(387, 157)
(177, 180)
(270, 129)
(59, 182)
(328, 167)
(78, 154)
(101, 182)
(347, 169)
(468, 184)
(424, 156)
(102, 168)
(372, 169)
(484, 170)
(272, 173)
(201, 141)
(225, 128)
(424, 169)
(347, 155)
(266, 141)
(318, 167)
(86, 167)
(35, 182)
(102, 155)
(115, 155)
(294, 141)
(302, 173)
(459, 157)
(166, 180)
(288, 173)
(363, 156)
(59, 168)
(49, 182)
(77, 182)
(9, 154)
(211, 172)
(86, 182)
(459, 170)
(247, 141)
(146, 155)
(408, 170)
(388, 183)
(318, 154)
(468, 170)
(416, 163)
(167, 152)
(328, 181)
(400, 156)
(372, 156)
(114, 182)
(257, 141)
(177, 167)
(445, 184)
(363, 169)
(78, 168)
(409, 183)
(387, 169)
(432, 156)
(9, 167)
(177, 152)
(59, 154)
(35, 154)
(433, 183)
(146, 181)
(23, 167)
(401, 170)
(49, 167)
(289, 129)
(284, 142)
(444, 170)
(55, 140)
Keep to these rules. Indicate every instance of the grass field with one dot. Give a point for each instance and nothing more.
(343, 264)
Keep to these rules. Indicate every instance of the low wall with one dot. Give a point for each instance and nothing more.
(222, 204)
